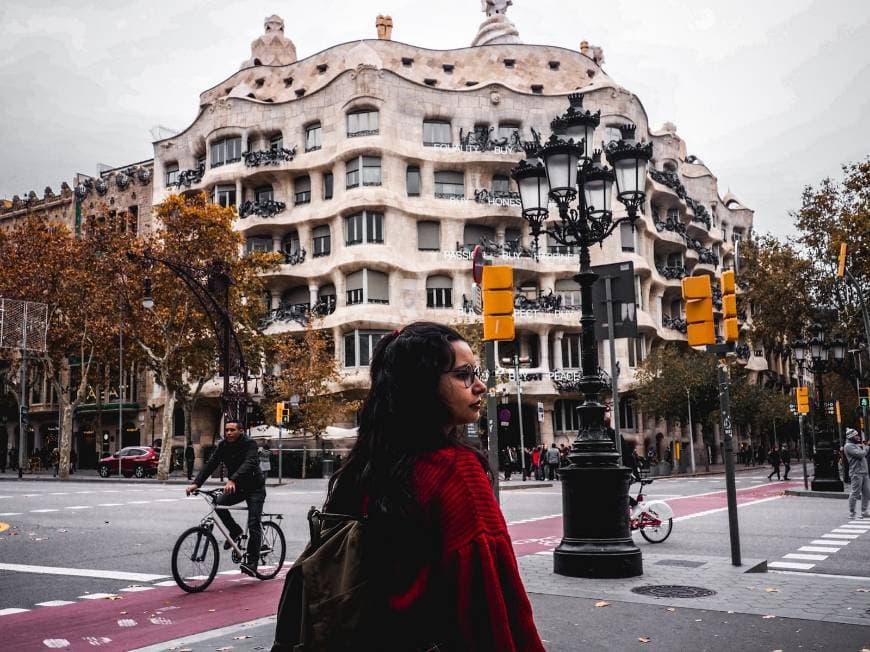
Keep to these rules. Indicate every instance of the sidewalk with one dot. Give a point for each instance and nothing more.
(748, 610)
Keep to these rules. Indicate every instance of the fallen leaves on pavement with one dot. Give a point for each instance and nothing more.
(644, 639)
(602, 603)
(770, 589)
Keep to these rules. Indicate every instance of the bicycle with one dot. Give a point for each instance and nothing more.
(654, 519)
(195, 556)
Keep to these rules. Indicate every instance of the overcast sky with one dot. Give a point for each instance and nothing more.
(769, 94)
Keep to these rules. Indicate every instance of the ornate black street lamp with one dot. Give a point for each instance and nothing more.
(819, 354)
(211, 287)
(597, 541)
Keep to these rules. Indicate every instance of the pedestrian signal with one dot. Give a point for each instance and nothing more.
(802, 397)
(698, 296)
(498, 303)
(864, 397)
(730, 326)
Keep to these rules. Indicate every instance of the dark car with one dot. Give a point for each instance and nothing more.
(139, 461)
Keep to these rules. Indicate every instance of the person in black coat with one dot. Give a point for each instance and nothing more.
(785, 458)
(245, 482)
(773, 458)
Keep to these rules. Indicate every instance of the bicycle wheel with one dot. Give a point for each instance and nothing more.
(272, 551)
(657, 533)
(195, 559)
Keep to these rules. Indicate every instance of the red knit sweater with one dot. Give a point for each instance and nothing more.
(484, 590)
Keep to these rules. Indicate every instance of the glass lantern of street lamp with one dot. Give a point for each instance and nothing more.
(629, 160)
(838, 349)
(561, 158)
(147, 299)
(818, 350)
(578, 124)
(598, 188)
(799, 348)
(531, 179)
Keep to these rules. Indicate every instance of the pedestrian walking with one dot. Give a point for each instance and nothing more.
(55, 461)
(536, 463)
(441, 553)
(553, 459)
(13, 459)
(773, 458)
(856, 454)
(507, 462)
(73, 461)
(265, 454)
(3, 457)
(785, 458)
(189, 459)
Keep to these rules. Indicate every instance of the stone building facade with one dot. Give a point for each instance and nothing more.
(375, 167)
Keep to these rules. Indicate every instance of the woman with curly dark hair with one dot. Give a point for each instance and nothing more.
(448, 567)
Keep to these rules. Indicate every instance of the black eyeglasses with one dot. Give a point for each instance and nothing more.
(467, 374)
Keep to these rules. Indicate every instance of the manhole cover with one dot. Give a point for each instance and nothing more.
(673, 591)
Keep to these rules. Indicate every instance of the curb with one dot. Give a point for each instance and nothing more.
(525, 485)
(809, 493)
(703, 473)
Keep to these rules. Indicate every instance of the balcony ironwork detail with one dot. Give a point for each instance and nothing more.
(674, 323)
(295, 258)
(272, 156)
(480, 139)
(266, 208)
(190, 177)
(672, 272)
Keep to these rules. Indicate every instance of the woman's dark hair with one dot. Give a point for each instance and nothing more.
(402, 416)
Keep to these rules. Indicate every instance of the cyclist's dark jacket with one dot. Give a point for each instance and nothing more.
(242, 462)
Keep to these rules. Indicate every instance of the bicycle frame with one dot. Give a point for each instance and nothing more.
(209, 521)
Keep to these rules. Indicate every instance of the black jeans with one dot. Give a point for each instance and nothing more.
(255, 500)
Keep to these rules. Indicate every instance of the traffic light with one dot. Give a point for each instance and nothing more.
(841, 261)
(802, 397)
(282, 412)
(730, 327)
(498, 302)
(698, 296)
(864, 397)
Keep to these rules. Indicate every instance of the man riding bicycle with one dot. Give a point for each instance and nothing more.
(245, 482)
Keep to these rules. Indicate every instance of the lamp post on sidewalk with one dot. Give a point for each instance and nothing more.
(819, 354)
(596, 541)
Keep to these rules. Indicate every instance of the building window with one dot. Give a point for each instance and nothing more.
(638, 293)
(171, 174)
(627, 235)
(258, 244)
(132, 222)
(476, 234)
(226, 150)
(359, 347)
(636, 351)
(328, 184)
(437, 132)
(264, 194)
(302, 190)
(439, 292)
(569, 290)
(276, 142)
(326, 297)
(367, 286)
(449, 185)
(565, 416)
(428, 236)
(312, 137)
(362, 123)
(371, 171)
(571, 351)
(412, 181)
(501, 184)
(321, 240)
(290, 244)
(364, 227)
(506, 131)
(626, 414)
(225, 196)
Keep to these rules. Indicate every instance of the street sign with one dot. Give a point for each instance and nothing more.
(622, 294)
(540, 412)
(504, 416)
(829, 407)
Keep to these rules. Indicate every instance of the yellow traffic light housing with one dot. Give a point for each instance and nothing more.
(698, 295)
(498, 303)
(802, 398)
(282, 412)
(729, 307)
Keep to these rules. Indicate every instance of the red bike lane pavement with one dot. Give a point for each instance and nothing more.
(139, 619)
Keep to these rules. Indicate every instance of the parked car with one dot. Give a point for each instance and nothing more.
(139, 461)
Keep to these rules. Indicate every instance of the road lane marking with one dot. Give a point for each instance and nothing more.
(98, 596)
(840, 530)
(829, 542)
(42, 511)
(791, 565)
(110, 504)
(12, 610)
(54, 603)
(842, 535)
(795, 555)
(11, 514)
(165, 583)
(138, 589)
(817, 549)
(138, 502)
(79, 507)
(59, 493)
(536, 518)
(81, 572)
(186, 641)
(166, 500)
(725, 509)
(860, 578)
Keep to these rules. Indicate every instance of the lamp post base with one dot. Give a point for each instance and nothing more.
(827, 475)
(597, 540)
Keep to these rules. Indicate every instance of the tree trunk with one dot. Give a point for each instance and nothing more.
(66, 411)
(164, 465)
